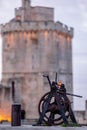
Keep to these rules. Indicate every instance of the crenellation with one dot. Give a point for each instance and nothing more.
(18, 12)
(17, 26)
(71, 31)
(64, 28)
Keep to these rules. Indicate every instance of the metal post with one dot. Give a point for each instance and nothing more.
(86, 109)
(16, 109)
(16, 115)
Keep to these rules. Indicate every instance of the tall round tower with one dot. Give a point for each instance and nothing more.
(34, 44)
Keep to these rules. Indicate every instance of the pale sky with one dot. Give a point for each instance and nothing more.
(74, 14)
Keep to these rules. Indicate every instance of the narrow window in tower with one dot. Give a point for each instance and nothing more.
(35, 53)
(33, 62)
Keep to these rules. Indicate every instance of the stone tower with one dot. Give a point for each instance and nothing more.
(34, 44)
(26, 3)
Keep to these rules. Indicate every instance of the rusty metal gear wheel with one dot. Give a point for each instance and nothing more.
(52, 115)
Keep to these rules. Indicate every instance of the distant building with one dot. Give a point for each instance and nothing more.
(34, 44)
(81, 116)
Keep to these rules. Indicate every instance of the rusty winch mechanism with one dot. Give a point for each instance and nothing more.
(55, 107)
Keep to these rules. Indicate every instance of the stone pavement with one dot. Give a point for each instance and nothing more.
(30, 127)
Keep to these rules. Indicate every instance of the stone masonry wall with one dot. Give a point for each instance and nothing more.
(27, 55)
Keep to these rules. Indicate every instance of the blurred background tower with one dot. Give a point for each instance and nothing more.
(34, 44)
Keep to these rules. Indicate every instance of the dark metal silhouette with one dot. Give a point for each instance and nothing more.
(55, 107)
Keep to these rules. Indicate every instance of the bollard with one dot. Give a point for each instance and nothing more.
(16, 114)
(86, 109)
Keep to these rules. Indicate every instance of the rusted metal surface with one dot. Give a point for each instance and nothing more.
(55, 107)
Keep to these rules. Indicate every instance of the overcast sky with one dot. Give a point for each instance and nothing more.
(74, 14)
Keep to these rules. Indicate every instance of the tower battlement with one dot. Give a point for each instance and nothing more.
(35, 18)
(29, 26)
